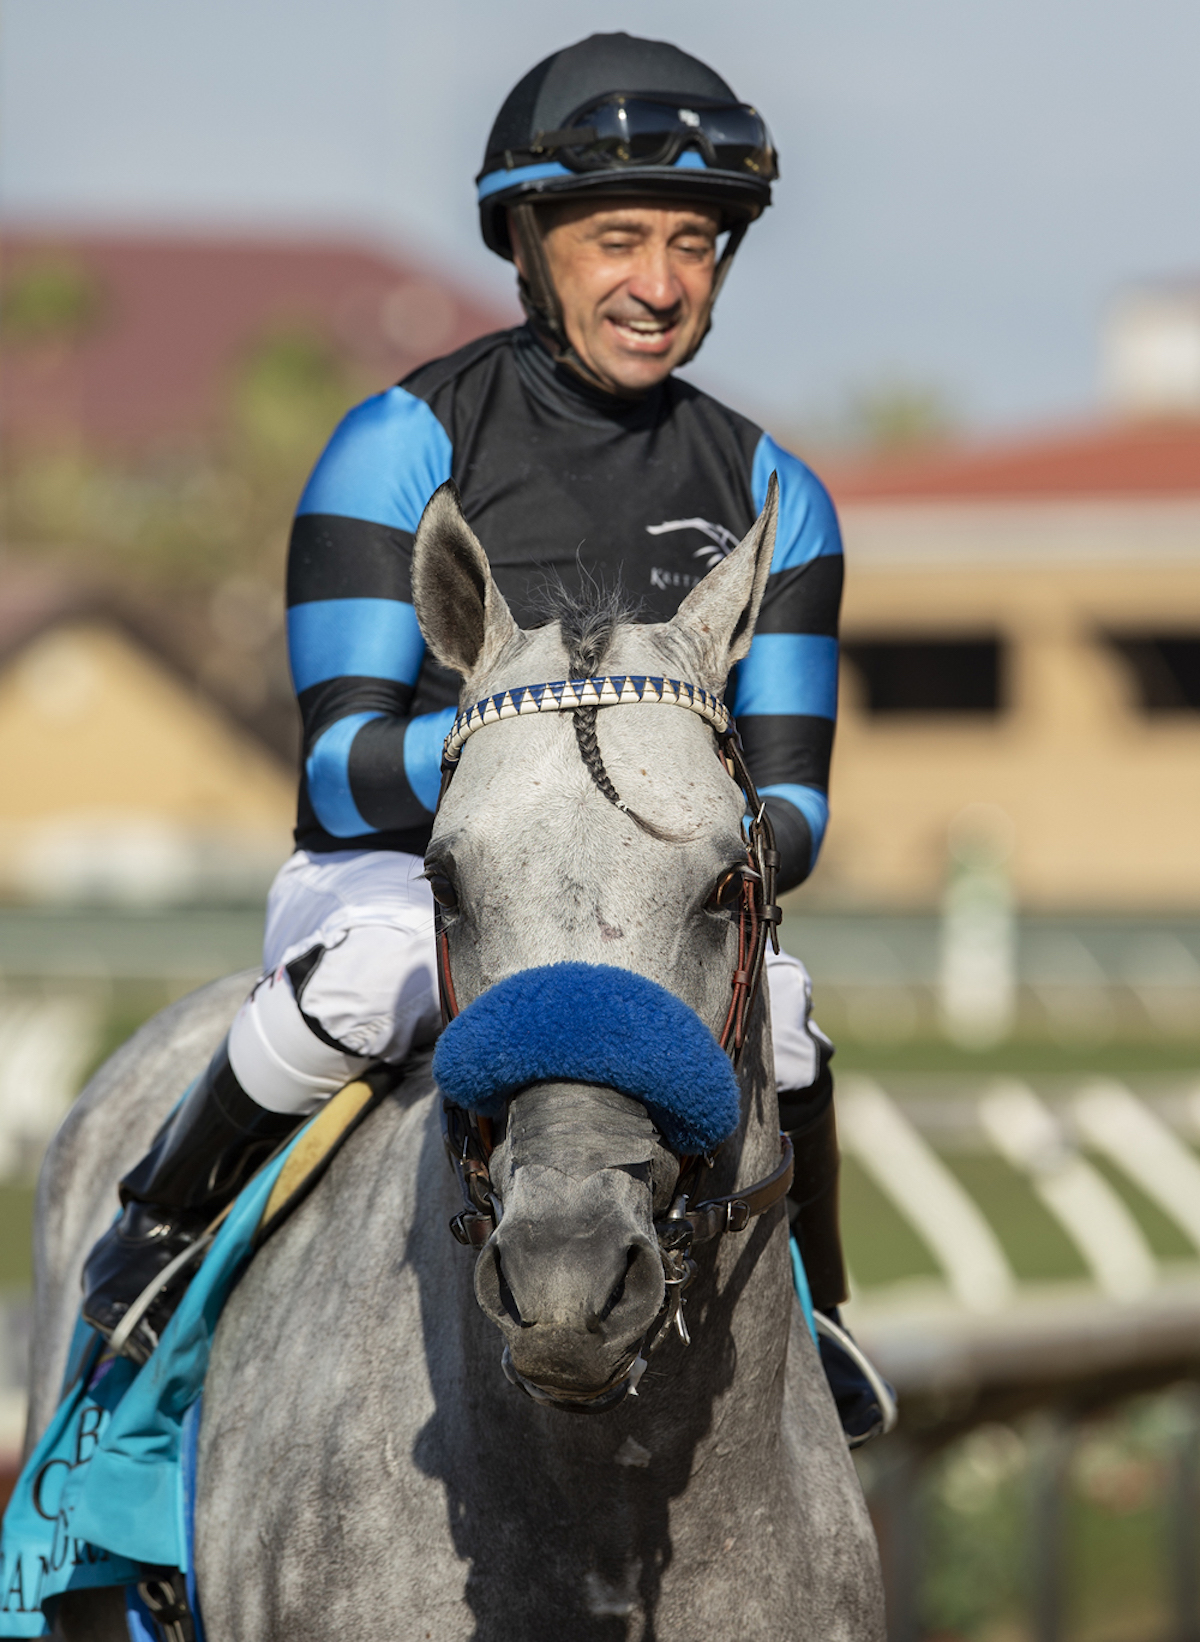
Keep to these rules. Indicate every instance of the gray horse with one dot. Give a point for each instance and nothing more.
(366, 1469)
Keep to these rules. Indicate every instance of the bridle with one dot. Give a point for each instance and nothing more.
(469, 1137)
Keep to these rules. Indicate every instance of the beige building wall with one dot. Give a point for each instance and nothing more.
(1104, 801)
(121, 781)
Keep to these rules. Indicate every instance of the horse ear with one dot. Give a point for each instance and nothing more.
(719, 614)
(462, 612)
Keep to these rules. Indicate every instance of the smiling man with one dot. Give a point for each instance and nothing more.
(620, 177)
(634, 283)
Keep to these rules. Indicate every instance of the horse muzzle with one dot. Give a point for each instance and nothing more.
(624, 1384)
(573, 1279)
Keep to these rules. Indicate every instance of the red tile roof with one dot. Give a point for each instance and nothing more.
(1134, 459)
(175, 314)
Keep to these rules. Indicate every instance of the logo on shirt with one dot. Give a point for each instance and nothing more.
(721, 543)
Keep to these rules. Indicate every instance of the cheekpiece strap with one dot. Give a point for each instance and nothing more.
(568, 695)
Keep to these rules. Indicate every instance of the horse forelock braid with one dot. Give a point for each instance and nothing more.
(589, 748)
(588, 623)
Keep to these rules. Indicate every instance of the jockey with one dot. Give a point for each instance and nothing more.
(612, 172)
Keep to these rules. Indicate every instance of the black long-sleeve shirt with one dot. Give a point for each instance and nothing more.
(554, 477)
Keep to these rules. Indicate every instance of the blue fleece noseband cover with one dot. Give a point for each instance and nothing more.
(589, 1023)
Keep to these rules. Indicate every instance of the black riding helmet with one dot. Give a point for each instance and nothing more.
(615, 115)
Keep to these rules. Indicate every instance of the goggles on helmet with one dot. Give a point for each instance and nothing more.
(619, 130)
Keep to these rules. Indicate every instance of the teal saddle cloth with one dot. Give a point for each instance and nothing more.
(106, 1493)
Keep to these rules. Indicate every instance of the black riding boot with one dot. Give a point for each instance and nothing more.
(808, 1117)
(201, 1157)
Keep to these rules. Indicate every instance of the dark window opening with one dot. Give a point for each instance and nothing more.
(928, 675)
(1165, 669)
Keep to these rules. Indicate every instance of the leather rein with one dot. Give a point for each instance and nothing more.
(468, 1137)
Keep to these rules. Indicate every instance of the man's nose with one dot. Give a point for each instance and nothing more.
(654, 281)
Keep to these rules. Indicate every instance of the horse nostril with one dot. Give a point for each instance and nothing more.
(549, 1281)
(505, 1294)
(618, 1292)
(494, 1291)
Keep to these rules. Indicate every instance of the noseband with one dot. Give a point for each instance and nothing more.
(468, 1136)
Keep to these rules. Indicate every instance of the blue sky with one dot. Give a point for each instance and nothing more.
(966, 182)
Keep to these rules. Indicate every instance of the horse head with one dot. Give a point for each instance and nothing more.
(589, 869)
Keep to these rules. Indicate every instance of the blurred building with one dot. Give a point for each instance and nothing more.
(126, 782)
(1022, 659)
(1151, 361)
(164, 397)
(129, 340)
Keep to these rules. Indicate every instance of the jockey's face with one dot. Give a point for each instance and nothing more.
(633, 281)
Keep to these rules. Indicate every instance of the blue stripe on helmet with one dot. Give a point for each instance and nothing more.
(497, 182)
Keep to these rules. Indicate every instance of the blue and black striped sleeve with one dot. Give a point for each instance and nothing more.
(785, 691)
(355, 647)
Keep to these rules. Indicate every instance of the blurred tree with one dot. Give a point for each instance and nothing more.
(188, 517)
(50, 300)
(891, 417)
(199, 535)
(291, 388)
(899, 415)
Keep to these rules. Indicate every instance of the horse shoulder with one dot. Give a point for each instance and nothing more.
(319, 1512)
(832, 1549)
(103, 1135)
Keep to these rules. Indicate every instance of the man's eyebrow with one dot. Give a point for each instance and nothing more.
(630, 225)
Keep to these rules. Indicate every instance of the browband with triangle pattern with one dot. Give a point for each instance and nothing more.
(621, 690)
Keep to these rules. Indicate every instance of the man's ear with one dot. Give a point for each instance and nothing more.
(462, 612)
(718, 615)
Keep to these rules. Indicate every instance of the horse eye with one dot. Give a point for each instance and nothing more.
(444, 892)
(726, 892)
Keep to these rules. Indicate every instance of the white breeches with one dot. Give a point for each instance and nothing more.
(364, 918)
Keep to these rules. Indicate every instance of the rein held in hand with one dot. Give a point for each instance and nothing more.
(468, 1136)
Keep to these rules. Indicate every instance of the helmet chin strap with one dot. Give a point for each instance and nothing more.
(540, 299)
(724, 262)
